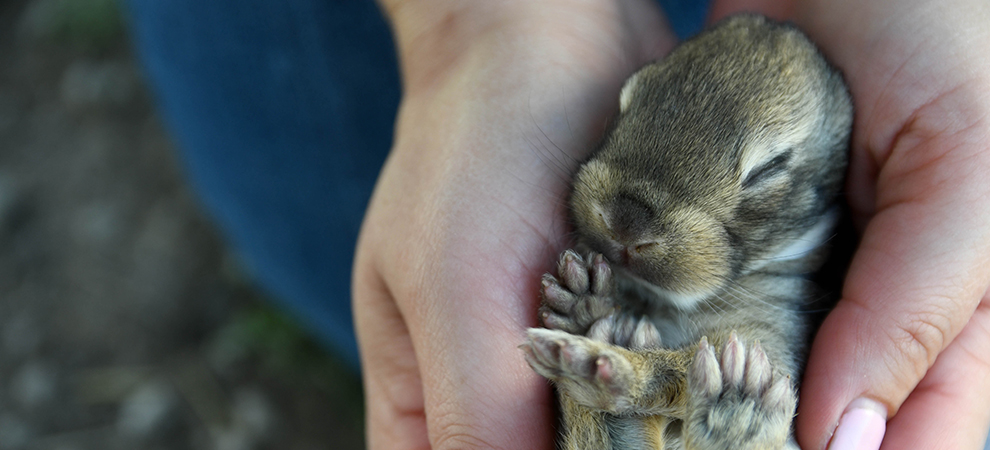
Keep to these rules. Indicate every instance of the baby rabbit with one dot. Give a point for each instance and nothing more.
(680, 322)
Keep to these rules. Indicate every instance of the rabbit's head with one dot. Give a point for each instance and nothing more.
(726, 156)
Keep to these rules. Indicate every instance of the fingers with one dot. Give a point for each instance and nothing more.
(394, 407)
(439, 346)
(950, 408)
(922, 267)
(479, 392)
(917, 179)
(914, 283)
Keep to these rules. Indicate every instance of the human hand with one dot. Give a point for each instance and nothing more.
(501, 99)
(912, 331)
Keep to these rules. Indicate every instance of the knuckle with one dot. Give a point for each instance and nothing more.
(455, 435)
(922, 335)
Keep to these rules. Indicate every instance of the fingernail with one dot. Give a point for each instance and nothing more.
(861, 427)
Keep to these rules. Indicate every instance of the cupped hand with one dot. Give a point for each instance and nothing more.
(911, 334)
(501, 99)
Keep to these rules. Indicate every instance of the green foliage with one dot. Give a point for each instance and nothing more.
(287, 352)
(275, 338)
(88, 25)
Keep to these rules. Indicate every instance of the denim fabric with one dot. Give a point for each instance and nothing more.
(686, 17)
(283, 113)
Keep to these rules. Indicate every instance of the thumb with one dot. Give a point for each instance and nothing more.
(916, 280)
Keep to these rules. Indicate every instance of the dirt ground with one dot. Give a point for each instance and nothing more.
(124, 322)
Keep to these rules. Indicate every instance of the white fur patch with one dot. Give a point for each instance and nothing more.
(810, 240)
(628, 90)
(675, 299)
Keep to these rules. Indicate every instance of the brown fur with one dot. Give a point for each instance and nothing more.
(709, 200)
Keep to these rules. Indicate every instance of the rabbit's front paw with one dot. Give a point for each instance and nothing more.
(736, 400)
(594, 374)
(579, 295)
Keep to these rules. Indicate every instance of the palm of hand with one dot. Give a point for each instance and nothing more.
(467, 214)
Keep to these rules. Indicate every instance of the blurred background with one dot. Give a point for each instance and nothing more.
(125, 323)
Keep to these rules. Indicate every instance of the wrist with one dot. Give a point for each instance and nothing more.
(431, 35)
(434, 37)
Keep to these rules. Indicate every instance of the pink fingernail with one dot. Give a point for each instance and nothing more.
(861, 427)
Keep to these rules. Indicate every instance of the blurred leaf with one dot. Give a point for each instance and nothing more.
(284, 348)
(88, 25)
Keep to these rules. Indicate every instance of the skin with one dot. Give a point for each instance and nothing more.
(916, 296)
(502, 98)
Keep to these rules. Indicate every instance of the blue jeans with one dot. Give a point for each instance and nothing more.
(283, 113)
